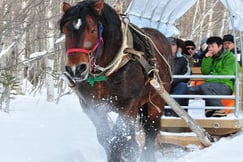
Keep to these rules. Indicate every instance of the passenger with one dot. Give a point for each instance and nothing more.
(181, 67)
(203, 48)
(229, 44)
(194, 58)
(217, 61)
(181, 46)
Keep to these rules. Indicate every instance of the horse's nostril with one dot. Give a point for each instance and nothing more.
(69, 70)
(81, 68)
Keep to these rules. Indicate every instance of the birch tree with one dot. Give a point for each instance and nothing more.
(210, 19)
(223, 22)
(204, 19)
(195, 17)
(201, 26)
(49, 62)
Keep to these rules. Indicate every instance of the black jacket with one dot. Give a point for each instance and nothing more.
(181, 67)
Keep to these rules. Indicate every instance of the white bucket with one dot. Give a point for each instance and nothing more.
(196, 108)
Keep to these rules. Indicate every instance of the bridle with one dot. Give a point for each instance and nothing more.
(83, 50)
(92, 53)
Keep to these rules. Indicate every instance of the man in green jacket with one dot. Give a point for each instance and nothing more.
(217, 61)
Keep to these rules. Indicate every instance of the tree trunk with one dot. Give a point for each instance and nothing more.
(195, 16)
(49, 63)
(210, 20)
(202, 20)
(22, 54)
(223, 22)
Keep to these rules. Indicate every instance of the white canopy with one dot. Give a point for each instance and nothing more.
(163, 14)
(158, 14)
(235, 8)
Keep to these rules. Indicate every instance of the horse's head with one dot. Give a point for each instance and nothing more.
(83, 32)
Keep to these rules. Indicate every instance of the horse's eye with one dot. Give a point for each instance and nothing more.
(93, 31)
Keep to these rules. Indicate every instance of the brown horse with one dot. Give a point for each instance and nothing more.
(109, 77)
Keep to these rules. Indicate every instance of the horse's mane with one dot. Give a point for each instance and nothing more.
(82, 9)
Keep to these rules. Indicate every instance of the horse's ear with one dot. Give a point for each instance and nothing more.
(65, 6)
(98, 6)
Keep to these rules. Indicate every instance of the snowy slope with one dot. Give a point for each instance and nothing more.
(37, 131)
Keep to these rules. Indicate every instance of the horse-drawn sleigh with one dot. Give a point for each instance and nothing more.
(115, 66)
(216, 126)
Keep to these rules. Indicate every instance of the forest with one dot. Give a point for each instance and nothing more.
(32, 47)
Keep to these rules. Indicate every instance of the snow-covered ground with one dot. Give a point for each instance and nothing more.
(38, 131)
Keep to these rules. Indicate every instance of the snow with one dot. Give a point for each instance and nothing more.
(40, 131)
(61, 39)
(38, 54)
(5, 51)
(37, 131)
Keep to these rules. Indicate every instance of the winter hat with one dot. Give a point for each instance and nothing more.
(203, 41)
(190, 43)
(228, 37)
(172, 40)
(204, 44)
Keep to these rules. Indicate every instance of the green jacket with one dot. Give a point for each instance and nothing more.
(222, 65)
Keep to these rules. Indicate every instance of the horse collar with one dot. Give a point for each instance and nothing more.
(121, 58)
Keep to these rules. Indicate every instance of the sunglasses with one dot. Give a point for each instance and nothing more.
(190, 48)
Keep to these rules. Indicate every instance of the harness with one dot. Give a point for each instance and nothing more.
(128, 53)
(125, 54)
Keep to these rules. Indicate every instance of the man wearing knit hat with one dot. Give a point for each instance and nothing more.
(228, 40)
(194, 58)
(229, 44)
(190, 46)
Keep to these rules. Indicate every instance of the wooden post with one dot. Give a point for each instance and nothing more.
(203, 135)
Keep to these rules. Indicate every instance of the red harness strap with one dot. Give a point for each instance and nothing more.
(82, 50)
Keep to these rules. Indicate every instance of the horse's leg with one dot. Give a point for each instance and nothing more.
(151, 125)
(98, 115)
(124, 147)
